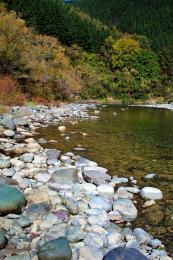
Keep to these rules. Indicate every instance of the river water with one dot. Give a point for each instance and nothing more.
(128, 142)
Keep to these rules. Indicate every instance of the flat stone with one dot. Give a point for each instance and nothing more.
(38, 197)
(24, 222)
(90, 253)
(151, 193)
(94, 239)
(9, 133)
(71, 204)
(126, 208)
(11, 200)
(65, 175)
(8, 122)
(55, 249)
(20, 121)
(116, 180)
(42, 177)
(36, 211)
(27, 157)
(81, 162)
(105, 190)
(19, 257)
(96, 175)
(74, 234)
(123, 253)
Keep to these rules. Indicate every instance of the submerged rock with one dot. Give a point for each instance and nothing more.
(58, 249)
(11, 200)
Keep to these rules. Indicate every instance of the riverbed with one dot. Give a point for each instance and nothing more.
(128, 141)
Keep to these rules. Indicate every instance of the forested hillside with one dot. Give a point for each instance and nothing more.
(96, 60)
(152, 18)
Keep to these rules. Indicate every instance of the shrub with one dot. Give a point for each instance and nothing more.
(10, 93)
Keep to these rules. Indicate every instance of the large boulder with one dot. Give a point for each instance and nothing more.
(11, 200)
(151, 193)
(96, 175)
(126, 208)
(123, 253)
(58, 249)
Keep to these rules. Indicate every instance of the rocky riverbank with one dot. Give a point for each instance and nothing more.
(63, 206)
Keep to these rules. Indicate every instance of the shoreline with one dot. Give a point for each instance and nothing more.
(66, 195)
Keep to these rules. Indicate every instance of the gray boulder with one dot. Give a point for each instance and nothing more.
(8, 122)
(3, 240)
(20, 121)
(36, 211)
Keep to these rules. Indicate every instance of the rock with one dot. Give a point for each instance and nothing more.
(24, 222)
(50, 220)
(90, 253)
(96, 175)
(100, 219)
(115, 216)
(126, 208)
(38, 197)
(151, 193)
(155, 243)
(4, 163)
(55, 249)
(42, 177)
(8, 181)
(115, 239)
(124, 194)
(61, 128)
(9, 133)
(149, 203)
(63, 178)
(62, 215)
(116, 180)
(3, 240)
(8, 122)
(100, 203)
(150, 176)
(20, 121)
(81, 162)
(123, 253)
(105, 190)
(36, 211)
(27, 157)
(74, 234)
(11, 200)
(93, 239)
(5, 223)
(71, 204)
(19, 257)
(141, 236)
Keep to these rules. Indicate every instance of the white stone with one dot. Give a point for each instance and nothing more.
(105, 189)
(61, 128)
(151, 193)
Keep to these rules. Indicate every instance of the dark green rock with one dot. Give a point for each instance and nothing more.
(11, 200)
(58, 249)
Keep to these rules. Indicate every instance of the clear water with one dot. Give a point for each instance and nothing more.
(135, 142)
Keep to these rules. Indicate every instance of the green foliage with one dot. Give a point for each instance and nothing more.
(136, 70)
(97, 77)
